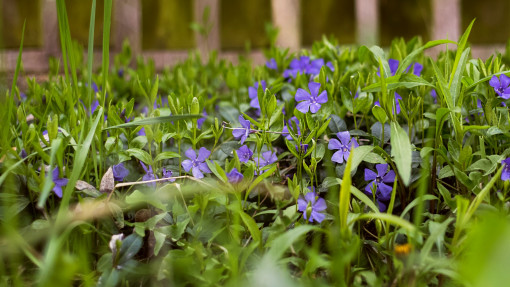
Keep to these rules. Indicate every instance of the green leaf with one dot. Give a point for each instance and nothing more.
(280, 244)
(154, 120)
(358, 154)
(345, 195)
(141, 155)
(252, 226)
(379, 114)
(389, 218)
(259, 178)
(166, 155)
(401, 151)
(129, 248)
(416, 201)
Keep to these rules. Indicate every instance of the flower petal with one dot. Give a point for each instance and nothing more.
(204, 167)
(302, 204)
(314, 88)
(197, 173)
(338, 156)
(317, 216)
(370, 174)
(187, 164)
(302, 95)
(494, 82)
(190, 153)
(57, 190)
(334, 144)
(389, 177)
(310, 197)
(393, 66)
(303, 107)
(203, 154)
(381, 169)
(370, 186)
(315, 107)
(320, 205)
(345, 137)
(504, 80)
(384, 191)
(323, 97)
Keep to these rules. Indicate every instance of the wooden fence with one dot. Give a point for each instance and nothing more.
(286, 15)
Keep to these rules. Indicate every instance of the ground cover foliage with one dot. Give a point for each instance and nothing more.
(344, 166)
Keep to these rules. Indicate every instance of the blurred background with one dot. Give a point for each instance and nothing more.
(167, 29)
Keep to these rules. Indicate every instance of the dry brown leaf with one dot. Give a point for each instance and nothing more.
(107, 182)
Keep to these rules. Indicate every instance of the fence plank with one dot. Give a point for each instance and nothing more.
(287, 18)
(367, 22)
(212, 40)
(127, 24)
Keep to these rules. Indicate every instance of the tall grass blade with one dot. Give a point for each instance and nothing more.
(90, 51)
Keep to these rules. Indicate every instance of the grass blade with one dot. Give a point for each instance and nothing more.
(90, 51)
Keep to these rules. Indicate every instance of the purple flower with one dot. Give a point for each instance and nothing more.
(119, 172)
(23, 154)
(501, 86)
(201, 121)
(285, 130)
(244, 153)
(244, 131)
(505, 175)
(433, 93)
(378, 183)
(196, 164)
(417, 68)
(304, 66)
(149, 175)
(58, 181)
(311, 101)
(311, 206)
(343, 146)
(397, 97)
(253, 94)
(167, 174)
(271, 64)
(141, 132)
(267, 158)
(234, 176)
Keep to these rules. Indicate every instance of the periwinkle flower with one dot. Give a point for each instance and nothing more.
(417, 68)
(244, 131)
(267, 158)
(149, 174)
(312, 206)
(501, 85)
(58, 181)
(305, 66)
(343, 146)
(397, 97)
(285, 130)
(244, 153)
(196, 164)
(379, 182)
(505, 175)
(271, 64)
(201, 121)
(119, 172)
(167, 174)
(234, 176)
(253, 94)
(141, 132)
(311, 101)
(433, 94)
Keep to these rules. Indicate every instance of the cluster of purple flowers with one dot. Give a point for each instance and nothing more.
(304, 65)
(417, 68)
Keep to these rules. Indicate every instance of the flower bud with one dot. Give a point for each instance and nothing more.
(195, 106)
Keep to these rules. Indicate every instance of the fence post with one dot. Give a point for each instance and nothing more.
(127, 22)
(446, 19)
(51, 41)
(367, 22)
(287, 18)
(211, 41)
